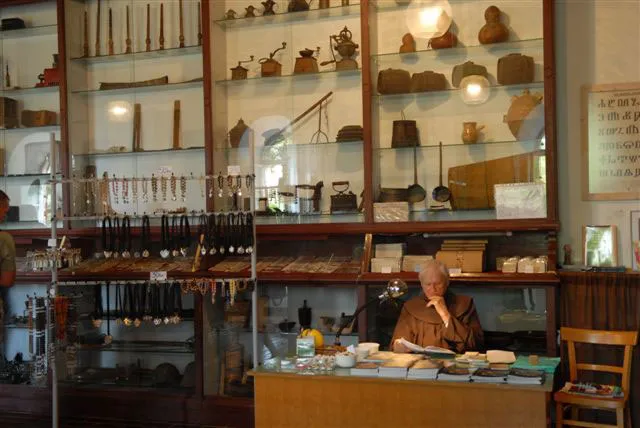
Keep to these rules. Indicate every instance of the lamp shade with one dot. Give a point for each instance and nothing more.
(474, 89)
(428, 18)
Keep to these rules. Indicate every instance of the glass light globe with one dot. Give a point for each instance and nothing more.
(428, 18)
(119, 111)
(474, 89)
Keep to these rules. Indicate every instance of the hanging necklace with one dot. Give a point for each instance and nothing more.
(107, 246)
(183, 188)
(114, 189)
(164, 232)
(239, 185)
(145, 190)
(125, 190)
(134, 189)
(145, 235)
(97, 306)
(117, 242)
(108, 338)
(173, 187)
(249, 233)
(154, 187)
(185, 235)
(203, 229)
(201, 183)
(165, 306)
(126, 307)
(104, 191)
(163, 187)
(231, 219)
(148, 303)
(222, 234)
(118, 309)
(137, 302)
(220, 184)
(212, 231)
(126, 237)
(156, 306)
(241, 220)
(177, 304)
(175, 244)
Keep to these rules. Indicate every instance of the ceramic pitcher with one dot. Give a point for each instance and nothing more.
(470, 132)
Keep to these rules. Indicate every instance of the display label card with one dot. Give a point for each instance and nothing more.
(455, 271)
(233, 170)
(158, 276)
(386, 269)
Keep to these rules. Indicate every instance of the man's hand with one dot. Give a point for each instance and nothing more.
(440, 306)
(399, 347)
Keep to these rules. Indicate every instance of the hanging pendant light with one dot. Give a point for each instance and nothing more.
(475, 89)
(428, 18)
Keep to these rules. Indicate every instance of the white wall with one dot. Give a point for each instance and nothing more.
(597, 41)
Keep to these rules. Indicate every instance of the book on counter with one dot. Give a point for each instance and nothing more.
(398, 366)
(368, 369)
(525, 377)
(380, 357)
(454, 374)
(424, 369)
(593, 389)
(485, 375)
(430, 350)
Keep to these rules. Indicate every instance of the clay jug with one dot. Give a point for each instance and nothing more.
(525, 117)
(470, 132)
(447, 40)
(493, 31)
(408, 44)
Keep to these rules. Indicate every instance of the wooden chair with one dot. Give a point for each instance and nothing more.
(564, 400)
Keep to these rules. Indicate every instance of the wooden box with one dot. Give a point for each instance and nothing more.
(394, 81)
(31, 118)
(428, 81)
(8, 113)
(470, 261)
(515, 68)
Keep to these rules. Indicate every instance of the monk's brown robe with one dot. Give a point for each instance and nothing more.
(423, 326)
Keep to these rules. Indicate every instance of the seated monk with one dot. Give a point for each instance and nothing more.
(438, 317)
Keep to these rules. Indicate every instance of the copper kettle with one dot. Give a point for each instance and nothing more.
(298, 5)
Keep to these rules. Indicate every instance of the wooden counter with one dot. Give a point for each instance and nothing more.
(286, 400)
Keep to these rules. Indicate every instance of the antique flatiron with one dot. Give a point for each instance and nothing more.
(344, 201)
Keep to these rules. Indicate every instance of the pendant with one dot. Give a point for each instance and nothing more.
(136, 255)
(213, 251)
(115, 255)
(166, 320)
(127, 322)
(183, 251)
(240, 250)
(96, 323)
(118, 321)
(126, 254)
(203, 251)
(157, 321)
(249, 250)
(222, 250)
(137, 322)
(147, 318)
(145, 254)
(231, 249)
(108, 339)
(107, 254)
(175, 253)
(164, 254)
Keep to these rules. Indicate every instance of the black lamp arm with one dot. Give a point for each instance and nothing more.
(353, 318)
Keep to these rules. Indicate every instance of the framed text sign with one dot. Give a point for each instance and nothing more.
(611, 141)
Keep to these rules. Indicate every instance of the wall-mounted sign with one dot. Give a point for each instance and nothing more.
(611, 142)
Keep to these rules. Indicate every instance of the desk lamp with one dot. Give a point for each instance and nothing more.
(395, 288)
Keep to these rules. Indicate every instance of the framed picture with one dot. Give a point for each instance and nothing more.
(600, 245)
(635, 239)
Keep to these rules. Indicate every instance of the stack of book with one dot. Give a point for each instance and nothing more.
(398, 366)
(525, 377)
(424, 370)
(380, 357)
(365, 369)
(485, 375)
(455, 374)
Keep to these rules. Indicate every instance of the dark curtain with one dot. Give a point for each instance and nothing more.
(603, 301)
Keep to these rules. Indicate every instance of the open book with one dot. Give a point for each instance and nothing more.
(428, 350)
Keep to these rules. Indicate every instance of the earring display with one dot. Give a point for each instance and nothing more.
(163, 187)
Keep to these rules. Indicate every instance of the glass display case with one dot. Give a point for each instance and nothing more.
(458, 110)
(30, 111)
(136, 108)
(286, 101)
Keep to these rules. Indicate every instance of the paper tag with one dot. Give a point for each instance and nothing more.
(386, 269)
(158, 276)
(233, 170)
(164, 170)
(52, 243)
(455, 271)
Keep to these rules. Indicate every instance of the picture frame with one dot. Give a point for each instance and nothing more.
(600, 245)
(635, 239)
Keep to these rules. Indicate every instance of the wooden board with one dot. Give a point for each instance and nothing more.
(472, 185)
(610, 134)
(290, 400)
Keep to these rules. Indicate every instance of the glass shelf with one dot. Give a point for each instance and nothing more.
(142, 55)
(430, 54)
(308, 146)
(276, 79)
(44, 30)
(281, 18)
(30, 91)
(137, 349)
(448, 91)
(484, 144)
(140, 153)
(143, 89)
(324, 218)
(32, 129)
(25, 175)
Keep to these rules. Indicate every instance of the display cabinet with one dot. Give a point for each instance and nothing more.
(30, 110)
(286, 100)
(136, 108)
(460, 111)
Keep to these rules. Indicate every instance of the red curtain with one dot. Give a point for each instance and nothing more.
(603, 301)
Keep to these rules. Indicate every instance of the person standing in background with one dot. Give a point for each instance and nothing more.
(7, 266)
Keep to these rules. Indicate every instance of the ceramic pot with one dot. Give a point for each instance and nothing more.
(525, 116)
(493, 31)
(447, 40)
(470, 132)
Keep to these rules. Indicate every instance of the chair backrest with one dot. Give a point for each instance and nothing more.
(628, 339)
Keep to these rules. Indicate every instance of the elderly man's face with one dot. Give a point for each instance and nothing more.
(433, 283)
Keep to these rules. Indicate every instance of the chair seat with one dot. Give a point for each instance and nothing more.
(586, 401)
